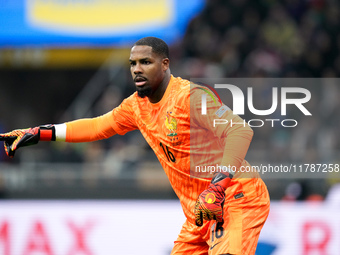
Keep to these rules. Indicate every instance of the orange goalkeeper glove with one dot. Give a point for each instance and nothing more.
(209, 205)
(25, 137)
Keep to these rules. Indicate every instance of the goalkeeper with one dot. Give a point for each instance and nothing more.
(225, 211)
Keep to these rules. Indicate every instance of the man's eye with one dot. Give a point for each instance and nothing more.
(147, 62)
(132, 63)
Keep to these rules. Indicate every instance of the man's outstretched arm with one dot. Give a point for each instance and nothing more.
(25, 137)
(82, 130)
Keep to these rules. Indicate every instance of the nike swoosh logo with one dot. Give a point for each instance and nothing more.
(218, 178)
(212, 247)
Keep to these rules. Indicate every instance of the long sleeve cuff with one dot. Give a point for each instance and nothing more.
(60, 132)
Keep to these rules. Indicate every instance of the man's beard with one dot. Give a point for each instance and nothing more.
(144, 91)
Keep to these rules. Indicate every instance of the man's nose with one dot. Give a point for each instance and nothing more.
(138, 69)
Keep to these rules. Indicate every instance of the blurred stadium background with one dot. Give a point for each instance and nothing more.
(67, 59)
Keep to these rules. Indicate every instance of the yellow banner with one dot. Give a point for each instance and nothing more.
(94, 16)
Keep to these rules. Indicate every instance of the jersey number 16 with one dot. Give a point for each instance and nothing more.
(169, 155)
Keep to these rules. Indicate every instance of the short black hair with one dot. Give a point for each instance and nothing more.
(158, 45)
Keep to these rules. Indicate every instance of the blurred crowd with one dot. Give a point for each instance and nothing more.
(243, 38)
(236, 38)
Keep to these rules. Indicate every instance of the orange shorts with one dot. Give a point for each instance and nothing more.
(238, 235)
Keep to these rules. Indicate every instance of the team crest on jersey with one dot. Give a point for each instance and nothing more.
(171, 125)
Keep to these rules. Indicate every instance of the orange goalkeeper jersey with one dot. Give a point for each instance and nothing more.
(186, 142)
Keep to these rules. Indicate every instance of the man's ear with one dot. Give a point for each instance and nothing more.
(165, 64)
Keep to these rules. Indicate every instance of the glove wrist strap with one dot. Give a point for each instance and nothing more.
(222, 179)
(47, 133)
